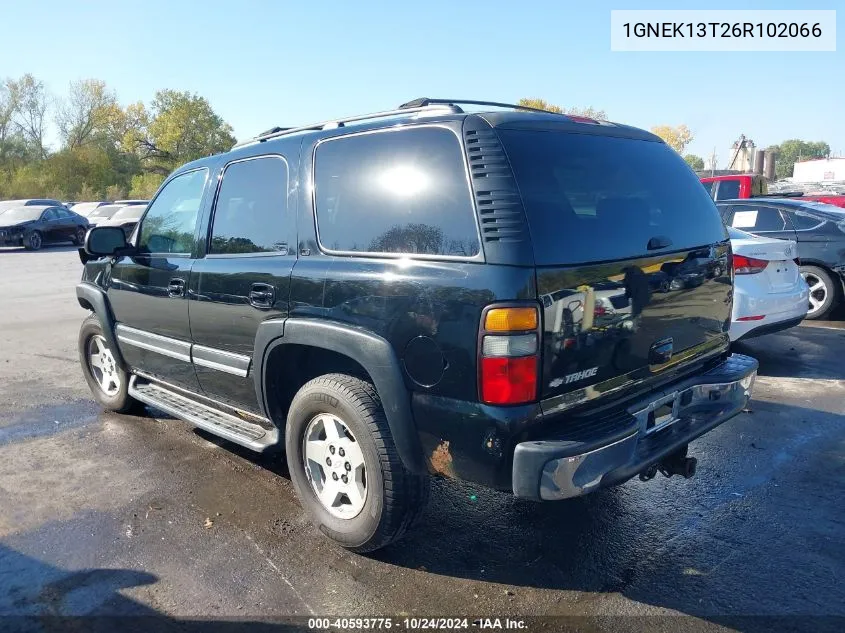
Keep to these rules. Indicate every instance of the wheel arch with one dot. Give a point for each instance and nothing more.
(92, 298)
(305, 348)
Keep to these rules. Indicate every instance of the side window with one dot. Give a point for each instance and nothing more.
(395, 192)
(726, 211)
(728, 190)
(802, 221)
(250, 215)
(755, 219)
(171, 219)
(62, 213)
(710, 188)
(49, 214)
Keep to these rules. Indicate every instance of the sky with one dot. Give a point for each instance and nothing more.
(262, 63)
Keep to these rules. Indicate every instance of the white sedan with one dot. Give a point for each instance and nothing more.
(769, 292)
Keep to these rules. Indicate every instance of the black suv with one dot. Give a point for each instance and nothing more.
(422, 291)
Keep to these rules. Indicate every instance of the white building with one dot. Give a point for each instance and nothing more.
(819, 170)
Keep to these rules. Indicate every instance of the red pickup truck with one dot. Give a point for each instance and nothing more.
(734, 186)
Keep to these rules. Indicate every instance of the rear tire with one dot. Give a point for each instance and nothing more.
(393, 497)
(825, 291)
(107, 381)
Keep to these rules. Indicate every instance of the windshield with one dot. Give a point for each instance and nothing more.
(22, 214)
(591, 198)
(129, 213)
(85, 208)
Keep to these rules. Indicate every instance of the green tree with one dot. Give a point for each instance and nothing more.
(31, 102)
(676, 137)
(542, 104)
(695, 162)
(179, 127)
(145, 185)
(791, 151)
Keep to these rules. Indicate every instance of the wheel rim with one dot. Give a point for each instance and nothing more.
(80, 236)
(35, 241)
(818, 292)
(103, 366)
(334, 464)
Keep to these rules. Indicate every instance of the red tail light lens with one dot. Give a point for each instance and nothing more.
(748, 265)
(508, 380)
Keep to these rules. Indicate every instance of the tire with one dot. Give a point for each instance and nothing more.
(394, 498)
(825, 291)
(34, 241)
(79, 236)
(117, 397)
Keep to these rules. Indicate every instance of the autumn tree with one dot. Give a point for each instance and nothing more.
(541, 104)
(675, 137)
(87, 114)
(791, 151)
(31, 103)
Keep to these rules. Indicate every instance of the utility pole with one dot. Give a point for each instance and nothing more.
(713, 162)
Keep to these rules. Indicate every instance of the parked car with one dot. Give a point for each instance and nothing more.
(35, 226)
(770, 294)
(86, 208)
(736, 186)
(819, 231)
(126, 218)
(385, 322)
(104, 213)
(128, 202)
(5, 205)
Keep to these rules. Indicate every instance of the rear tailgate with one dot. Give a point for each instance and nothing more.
(632, 260)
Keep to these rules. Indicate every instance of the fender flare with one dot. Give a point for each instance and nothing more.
(369, 350)
(93, 298)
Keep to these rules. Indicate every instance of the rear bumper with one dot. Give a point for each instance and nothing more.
(560, 468)
(781, 310)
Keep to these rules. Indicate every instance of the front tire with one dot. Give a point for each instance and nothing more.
(33, 241)
(825, 291)
(107, 381)
(79, 236)
(336, 427)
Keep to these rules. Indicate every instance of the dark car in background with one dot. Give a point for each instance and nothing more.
(5, 205)
(818, 229)
(34, 226)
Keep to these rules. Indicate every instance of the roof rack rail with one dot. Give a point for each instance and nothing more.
(334, 123)
(427, 101)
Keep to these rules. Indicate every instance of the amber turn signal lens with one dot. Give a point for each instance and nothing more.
(510, 319)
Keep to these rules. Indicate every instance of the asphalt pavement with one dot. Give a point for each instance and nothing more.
(112, 515)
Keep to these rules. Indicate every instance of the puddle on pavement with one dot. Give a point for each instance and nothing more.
(47, 420)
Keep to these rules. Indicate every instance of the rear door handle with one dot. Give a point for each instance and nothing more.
(176, 287)
(262, 296)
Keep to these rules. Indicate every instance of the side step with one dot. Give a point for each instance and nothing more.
(213, 420)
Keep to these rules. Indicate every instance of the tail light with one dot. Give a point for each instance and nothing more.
(508, 364)
(748, 265)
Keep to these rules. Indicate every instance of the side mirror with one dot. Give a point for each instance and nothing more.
(105, 241)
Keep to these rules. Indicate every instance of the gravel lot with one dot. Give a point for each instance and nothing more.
(104, 514)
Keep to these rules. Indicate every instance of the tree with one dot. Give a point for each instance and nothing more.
(31, 101)
(695, 162)
(791, 151)
(676, 137)
(180, 127)
(87, 113)
(541, 104)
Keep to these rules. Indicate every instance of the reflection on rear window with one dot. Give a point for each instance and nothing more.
(593, 198)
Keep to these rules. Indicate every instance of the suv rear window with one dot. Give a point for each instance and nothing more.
(593, 198)
(395, 192)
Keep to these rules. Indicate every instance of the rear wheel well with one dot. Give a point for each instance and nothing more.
(290, 366)
(840, 287)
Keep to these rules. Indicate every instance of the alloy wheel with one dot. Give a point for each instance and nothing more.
(818, 291)
(103, 366)
(334, 465)
(35, 241)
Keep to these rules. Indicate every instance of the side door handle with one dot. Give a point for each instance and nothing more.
(262, 296)
(176, 287)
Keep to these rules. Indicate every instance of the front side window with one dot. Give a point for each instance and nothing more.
(251, 211)
(50, 214)
(395, 192)
(728, 190)
(171, 220)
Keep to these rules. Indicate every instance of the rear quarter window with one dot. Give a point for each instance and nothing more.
(395, 192)
(593, 198)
